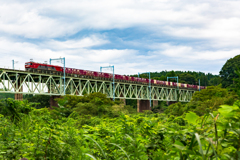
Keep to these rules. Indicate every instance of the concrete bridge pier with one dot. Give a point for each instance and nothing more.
(143, 105)
(124, 101)
(18, 96)
(53, 102)
(171, 102)
(155, 103)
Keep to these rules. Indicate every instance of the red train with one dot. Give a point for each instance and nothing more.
(30, 66)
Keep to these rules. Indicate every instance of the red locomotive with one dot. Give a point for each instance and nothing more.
(30, 66)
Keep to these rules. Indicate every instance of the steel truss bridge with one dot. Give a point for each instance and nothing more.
(52, 83)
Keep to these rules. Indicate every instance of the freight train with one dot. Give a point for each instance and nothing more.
(33, 66)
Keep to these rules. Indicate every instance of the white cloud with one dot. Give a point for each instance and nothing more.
(53, 18)
(188, 53)
(213, 25)
(85, 42)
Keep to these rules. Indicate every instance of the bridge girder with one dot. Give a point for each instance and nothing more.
(24, 82)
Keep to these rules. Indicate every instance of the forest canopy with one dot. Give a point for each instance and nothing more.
(188, 77)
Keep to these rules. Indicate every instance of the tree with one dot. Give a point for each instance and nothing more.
(227, 72)
(215, 81)
(205, 101)
(237, 82)
(188, 78)
(41, 101)
(171, 74)
(163, 78)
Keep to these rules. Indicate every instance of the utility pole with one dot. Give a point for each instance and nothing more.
(177, 80)
(62, 60)
(177, 84)
(112, 67)
(199, 84)
(13, 62)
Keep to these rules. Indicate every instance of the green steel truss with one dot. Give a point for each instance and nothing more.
(51, 83)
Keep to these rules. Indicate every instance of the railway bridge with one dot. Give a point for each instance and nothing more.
(51, 83)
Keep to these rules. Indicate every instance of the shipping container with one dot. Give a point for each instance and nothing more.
(106, 75)
(132, 79)
(162, 83)
(174, 84)
(144, 80)
(95, 74)
(152, 81)
(83, 72)
(89, 73)
(139, 79)
(110, 75)
(190, 86)
(68, 70)
(78, 71)
(74, 71)
(101, 74)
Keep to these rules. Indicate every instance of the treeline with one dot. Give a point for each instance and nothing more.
(188, 77)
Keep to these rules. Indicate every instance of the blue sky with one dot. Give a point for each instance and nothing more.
(133, 35)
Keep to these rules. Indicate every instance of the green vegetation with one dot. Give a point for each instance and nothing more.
(228, 72)
(208, 100)
(41, 101)
(94, 127)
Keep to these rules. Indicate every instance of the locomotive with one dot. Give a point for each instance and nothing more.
(34, 66)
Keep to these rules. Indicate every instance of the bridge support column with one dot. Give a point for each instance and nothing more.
(123, 100)
(53, 102)
(171, 102)
(18, 96)
(143, 105)
(155, 103)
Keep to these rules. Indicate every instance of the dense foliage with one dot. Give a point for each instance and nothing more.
(208, 100)
(228, 72)
(41, 101)
(94, 104)
(76, 130)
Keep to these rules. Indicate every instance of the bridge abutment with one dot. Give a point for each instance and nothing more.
(143, 105)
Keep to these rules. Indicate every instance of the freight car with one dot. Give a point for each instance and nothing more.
(33, 66)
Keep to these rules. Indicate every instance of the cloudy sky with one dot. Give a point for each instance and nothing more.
(133, 35)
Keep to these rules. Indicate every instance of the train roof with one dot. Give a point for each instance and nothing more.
(45, 64)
